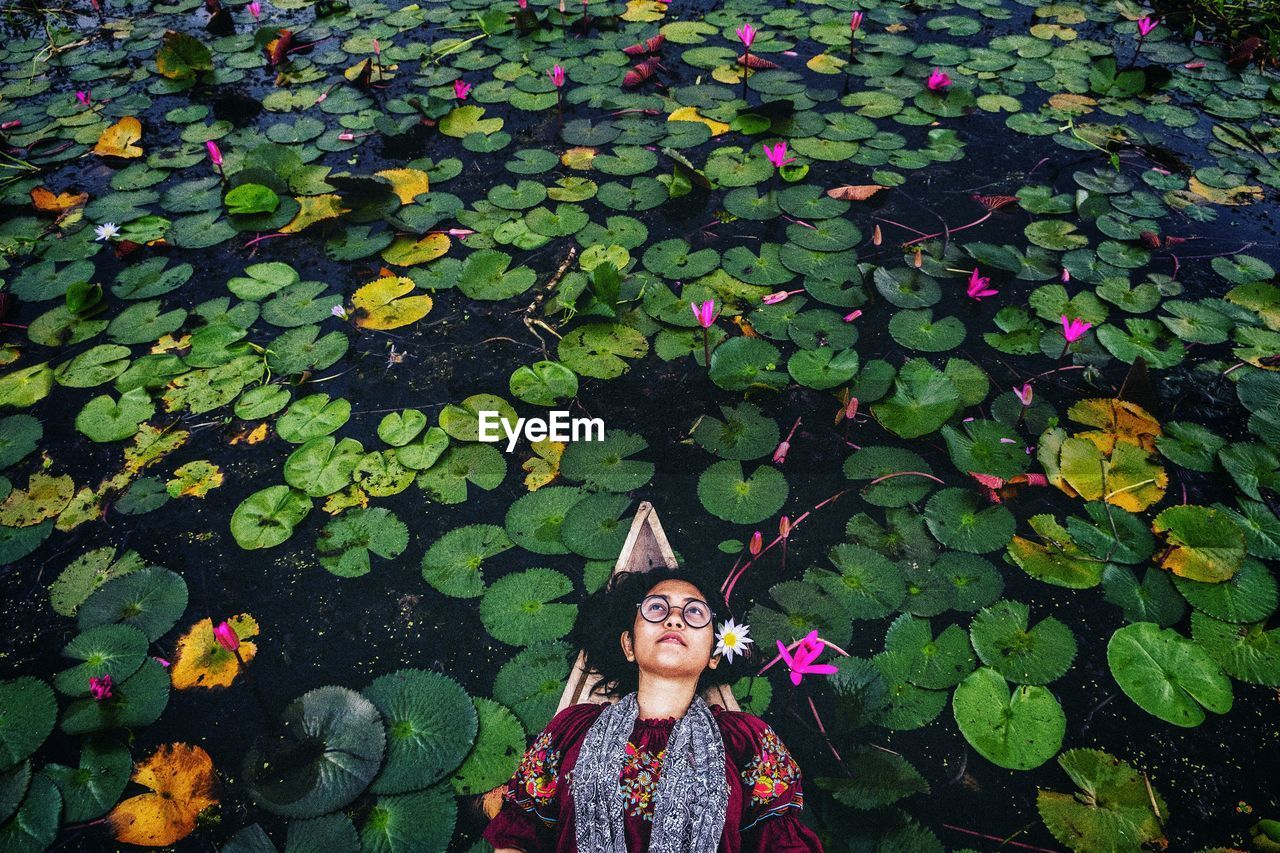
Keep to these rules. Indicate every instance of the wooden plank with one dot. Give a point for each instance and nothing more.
(646, 546)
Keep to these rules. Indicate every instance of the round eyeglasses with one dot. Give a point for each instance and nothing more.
(656, 608)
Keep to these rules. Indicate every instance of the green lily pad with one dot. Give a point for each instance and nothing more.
(924, 399)
(958, 520)
(431, 725)
(604, 465)
(530, 683)
(1167, 675)
(727, 493)
(1113, 809)
(596, 526)
(520, 609)
(499, 744)
(452, 565)
(267, 517)
(868, 585)
(1022, 654)
(1017, 730)
(151, 599)
(330, 748)
(745, 433)
(29, 716)
(114, 650)
(89, 790)
(534, 521)
(345, 543)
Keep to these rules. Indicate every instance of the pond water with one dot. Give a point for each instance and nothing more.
(1141, 165)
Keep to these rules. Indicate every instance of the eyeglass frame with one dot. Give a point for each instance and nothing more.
(670, 607)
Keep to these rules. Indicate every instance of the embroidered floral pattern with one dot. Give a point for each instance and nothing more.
(772, 772)
(536, 777)
(640, 780)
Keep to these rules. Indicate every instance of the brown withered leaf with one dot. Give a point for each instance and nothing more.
(855, 192)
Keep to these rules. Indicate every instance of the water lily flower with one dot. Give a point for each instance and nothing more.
(346, 136)
(938, 79)
(746, 34)
(705, 313)
(1146, 24)
(339, 312)
(855, 22)
(778, 296)
(377, 49)
(851, 409)
(460, 89)
(1024, 393)
(523, 4)
(1066, 275)
(1075, 329)
(853, 315)
(780, 452)
(106, 231)
(557, 76)
(784, 526)
(226, 636)
(732, 639)
(757, 543)
(83, 98)
(255, 9)
(778, 155)
(978, 286)
(215, 154)
(801, 662)
(166, 664)
(100, 688)
(11, 124)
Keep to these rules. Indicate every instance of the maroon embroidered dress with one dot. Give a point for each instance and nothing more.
(765, 796)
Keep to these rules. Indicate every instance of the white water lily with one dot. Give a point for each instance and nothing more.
(106, 230)
(732, 639)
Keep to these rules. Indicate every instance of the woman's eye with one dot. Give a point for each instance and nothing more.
(697, 612)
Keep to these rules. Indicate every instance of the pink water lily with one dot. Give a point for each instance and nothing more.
(705, 313)
(778, 296)
(746, 34)
(100, 688)
(780, 452)
(1066, 275)
(757, 543)
(215, 154)
(255, 9)
(557, 76)
(1146, 24)
(1075, 329)
(460, 89)
(226, 636)
(377, 49)
(778, 155)
(855, 22)
(938, 79)
(853, 315)
(801, 661)
(978, 286)
(1024, 393)
(522, 4)
(83, 98)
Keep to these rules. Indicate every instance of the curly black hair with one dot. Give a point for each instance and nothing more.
(609, 611)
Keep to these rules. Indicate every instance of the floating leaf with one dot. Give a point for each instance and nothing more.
(182, 780)
(431, 725)
(1112, 811)
(382, 304)
(119, 140)
(1202, 544)
(201, 661)
(1018, 730)
(1166, 674)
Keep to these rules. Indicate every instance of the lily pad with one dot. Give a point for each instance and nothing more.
(1018, 729)
(431, 725)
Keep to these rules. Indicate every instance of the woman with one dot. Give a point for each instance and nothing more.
(660, 770)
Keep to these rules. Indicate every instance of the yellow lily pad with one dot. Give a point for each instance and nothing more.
(545, 465)
(315, 208)
(119, 139)
(382, 304)
(44, 497)
(692, 114)
(408, 184)
(408, 251)
(201, 662)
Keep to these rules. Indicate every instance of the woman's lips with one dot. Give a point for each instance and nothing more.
(673, 638)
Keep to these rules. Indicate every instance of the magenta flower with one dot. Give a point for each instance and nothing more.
(746, 34)
(377, 49)
(557, 76)
(460, 89)
(1074, 330)
(83, 98)
(778, 155)
(1024, 393)
(166, 664)
(346, 136)
(780, 453)
(855, 22)
(1066, 275)
(778, 296)
(938, 79)
(215, 155)
(226, 636)
(801, 662)
(523, 4)
(705, 313)
(1146, 25)
(100, 688)
(784, 526)
(853, 315)
(757, 544)
(255, 9)
(978, 286)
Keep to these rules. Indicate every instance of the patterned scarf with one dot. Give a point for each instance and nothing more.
(692, 797)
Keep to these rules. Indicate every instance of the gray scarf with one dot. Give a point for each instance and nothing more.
(692, 796)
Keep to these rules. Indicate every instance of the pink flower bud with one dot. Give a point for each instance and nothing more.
(215, 155)
(757, 543)
(346, 136)
(226, 636)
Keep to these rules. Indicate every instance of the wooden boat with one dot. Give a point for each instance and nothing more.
(646, 546)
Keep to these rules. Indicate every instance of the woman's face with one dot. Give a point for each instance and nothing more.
(671, 648)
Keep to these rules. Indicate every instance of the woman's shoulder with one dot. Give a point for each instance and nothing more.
(743, 732)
